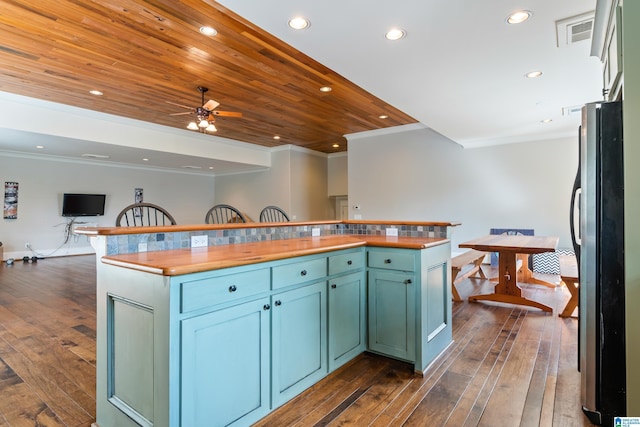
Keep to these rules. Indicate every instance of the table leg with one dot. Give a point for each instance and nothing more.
(507, 290)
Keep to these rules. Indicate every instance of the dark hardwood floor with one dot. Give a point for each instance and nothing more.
(508, 366)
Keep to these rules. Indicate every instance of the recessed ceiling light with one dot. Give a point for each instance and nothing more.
(208, 31)
(336, 145)
(145, 160)
(395, 34)
(518, 17)
(325, 89)
(96, 92)
(210, 167)
(299, 23)
(546, 121)
(383, 116)
(40, 147)
(276, 137)
(533, 74)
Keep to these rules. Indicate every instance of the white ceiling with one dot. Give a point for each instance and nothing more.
(460, 69)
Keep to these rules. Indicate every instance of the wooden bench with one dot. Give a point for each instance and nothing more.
(569, 275)
(457, 263)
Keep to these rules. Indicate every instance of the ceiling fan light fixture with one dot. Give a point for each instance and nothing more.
(299, 23)
(211, 128)
(518, 17)
(203, 123)
(192, 126)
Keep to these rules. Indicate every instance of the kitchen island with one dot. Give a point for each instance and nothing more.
(224, 334)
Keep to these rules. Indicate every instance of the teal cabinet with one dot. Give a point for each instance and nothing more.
(299, 340)
(225, 347)
(225, 366)
(392, 314)
(409, 303)
(347, 329)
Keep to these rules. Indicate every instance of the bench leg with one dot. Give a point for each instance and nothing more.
(573, 302)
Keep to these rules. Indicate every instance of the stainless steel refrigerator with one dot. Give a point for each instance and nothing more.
(597, 229)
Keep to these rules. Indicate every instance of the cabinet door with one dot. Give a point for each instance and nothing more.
(392, 313)
(299, 340)
(346, 318)
(225, 366)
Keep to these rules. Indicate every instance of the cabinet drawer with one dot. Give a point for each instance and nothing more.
(392, 260)
(298, 272)
(345, 262)
(220, 289)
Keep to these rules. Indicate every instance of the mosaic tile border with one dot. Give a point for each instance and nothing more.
(128, 243)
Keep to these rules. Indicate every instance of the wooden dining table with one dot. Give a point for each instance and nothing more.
(508, 246)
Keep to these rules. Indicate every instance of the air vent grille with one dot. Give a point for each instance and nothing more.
(575, 29)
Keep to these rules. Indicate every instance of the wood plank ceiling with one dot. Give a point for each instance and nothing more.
(147, 56)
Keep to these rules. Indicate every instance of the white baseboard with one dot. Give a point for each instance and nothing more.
(49, 253)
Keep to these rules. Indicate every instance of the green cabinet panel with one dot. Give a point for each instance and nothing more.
(299, 340)
(346, 317)
(305, 270)
(225, 366)
(392, 313)
(409, 303)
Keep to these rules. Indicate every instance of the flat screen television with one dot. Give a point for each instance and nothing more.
(83, 204)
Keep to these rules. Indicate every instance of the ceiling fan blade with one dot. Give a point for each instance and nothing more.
(226, 113)
(180, 114)
(210, 105)
(178, 105)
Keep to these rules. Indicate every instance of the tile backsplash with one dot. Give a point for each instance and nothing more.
(128, 243)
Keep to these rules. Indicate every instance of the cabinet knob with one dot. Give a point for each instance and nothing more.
(333, 286)
(349, 262)
(278, 303)
(408, 282)
(303, 273)
(232, 288)
(387, 261)
(266, 307)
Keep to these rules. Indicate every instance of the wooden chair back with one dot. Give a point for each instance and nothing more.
(144, 215)
(273, 214)
(223, 214)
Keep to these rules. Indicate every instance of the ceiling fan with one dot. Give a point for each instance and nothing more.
(205, 115)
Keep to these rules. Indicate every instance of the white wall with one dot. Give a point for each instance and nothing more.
(42, 181)
(338, 178)
(296, 181)
(421, 175)
(250, 192)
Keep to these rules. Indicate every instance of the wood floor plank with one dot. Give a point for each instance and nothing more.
(507, 402)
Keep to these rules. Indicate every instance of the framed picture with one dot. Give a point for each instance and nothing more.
(138, 198)
(10, 210)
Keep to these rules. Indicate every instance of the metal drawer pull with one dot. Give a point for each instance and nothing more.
(334, 286)
(387, 261)
(278, 303)
(232, 288)
(266, 307)
(408, 282)
(303, 273)
(349, 262)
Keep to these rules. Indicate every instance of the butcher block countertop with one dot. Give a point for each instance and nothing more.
(193, 260)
